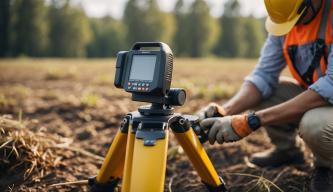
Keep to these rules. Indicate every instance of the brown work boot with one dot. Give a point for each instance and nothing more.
(275, 158)
(321, 180)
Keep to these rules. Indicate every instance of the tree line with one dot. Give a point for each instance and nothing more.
(59, 28)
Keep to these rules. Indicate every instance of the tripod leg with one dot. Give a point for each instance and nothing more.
(128, 160)
(149, 165)
(112, 167)
(198, 156)
(113, 164)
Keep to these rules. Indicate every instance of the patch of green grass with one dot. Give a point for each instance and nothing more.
(222, 91)
(201, 94)
(15, 91)
(86, 100)
(213, 92)
(20, 90)
(6, 101)
(90, 100)
(104, 79)
(3, 101)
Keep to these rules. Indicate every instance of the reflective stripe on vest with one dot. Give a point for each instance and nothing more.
(306, 47)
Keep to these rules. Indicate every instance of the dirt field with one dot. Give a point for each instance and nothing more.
(73, 109)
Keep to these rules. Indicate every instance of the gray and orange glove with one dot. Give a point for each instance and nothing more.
(212, 110)
(227, 129)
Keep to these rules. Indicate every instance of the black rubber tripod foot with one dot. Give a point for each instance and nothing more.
(102, 187)
(220, 188)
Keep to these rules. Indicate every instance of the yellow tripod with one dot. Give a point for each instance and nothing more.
(142, 163)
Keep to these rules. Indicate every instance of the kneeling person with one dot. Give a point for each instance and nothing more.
(301, 38)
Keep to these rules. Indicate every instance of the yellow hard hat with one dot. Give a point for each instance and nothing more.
(284, 14)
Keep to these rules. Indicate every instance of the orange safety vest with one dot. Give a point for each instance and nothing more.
(306, 46)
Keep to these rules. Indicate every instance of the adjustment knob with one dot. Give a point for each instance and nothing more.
(176, 97)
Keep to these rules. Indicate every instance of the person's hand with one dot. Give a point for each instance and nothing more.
(226, 129)
(212, 110)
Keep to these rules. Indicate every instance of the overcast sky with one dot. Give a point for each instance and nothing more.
(100, 8)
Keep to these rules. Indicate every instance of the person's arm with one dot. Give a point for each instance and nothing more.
(263, 80)
(247, 97)
(291, 110)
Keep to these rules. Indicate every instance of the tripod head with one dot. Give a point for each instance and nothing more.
(146, 72)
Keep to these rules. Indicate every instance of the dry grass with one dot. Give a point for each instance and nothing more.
(36, 151)
(20, 146)
(259, 183)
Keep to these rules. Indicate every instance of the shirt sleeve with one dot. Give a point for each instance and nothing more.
(266, 74)
(324, 85)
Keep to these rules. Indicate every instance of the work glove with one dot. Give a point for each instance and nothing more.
(212, 110)
(226, 129)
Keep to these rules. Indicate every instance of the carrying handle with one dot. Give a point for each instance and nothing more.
(139, 45)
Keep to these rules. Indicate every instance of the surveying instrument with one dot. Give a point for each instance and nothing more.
(138, 153)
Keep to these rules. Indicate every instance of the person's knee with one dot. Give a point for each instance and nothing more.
(286, 89)
(316, 127)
